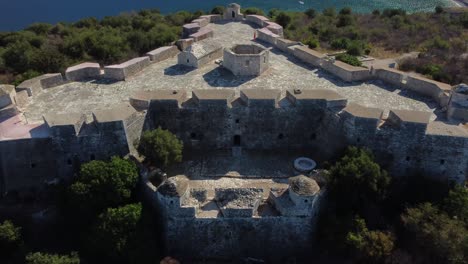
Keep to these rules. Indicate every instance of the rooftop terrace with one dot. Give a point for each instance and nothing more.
(285, 73)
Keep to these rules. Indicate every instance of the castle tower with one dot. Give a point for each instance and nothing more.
(233, 12)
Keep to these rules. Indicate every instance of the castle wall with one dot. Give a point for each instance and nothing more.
(346, 72)
(123, 71)
(83, 71)
(235, 238)
(162, 53)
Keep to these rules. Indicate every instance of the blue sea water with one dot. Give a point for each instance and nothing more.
(17, 14)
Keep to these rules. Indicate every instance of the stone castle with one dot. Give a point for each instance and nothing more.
(245, 102)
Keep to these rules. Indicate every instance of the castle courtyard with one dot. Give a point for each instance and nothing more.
(285, 72)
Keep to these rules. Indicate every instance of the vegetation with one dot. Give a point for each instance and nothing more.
(10, 240)
(43, 48)
(43, 258)
(371, 219)
(349, 59)
(115, 234)
(161, 147)
(439, 37)
(102, 184)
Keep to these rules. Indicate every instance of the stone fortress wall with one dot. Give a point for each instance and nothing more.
(258, 119)
(451, 147)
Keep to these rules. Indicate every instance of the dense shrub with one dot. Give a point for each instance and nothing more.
(218, 10)
(100, 185)
(160, 147)
(312, 43)
(10, 240)
(283, 19)
(349, 59)
(44, 258)
(253, 11)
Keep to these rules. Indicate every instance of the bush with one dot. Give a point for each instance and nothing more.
(369, 246)
(161, 147)
(346, 11)
(349, 59)
(456, 203)
(345, 20)
(44, 258)
(356, 179)
(218, 10)
(312, 43)
(10, 240)
(115, 233)
(341, 43)
(283, 19)
(434, 236)
(439, 9)
(100, 185)
(253, 11)
(310, 13)
(330, 12)
(355, 48)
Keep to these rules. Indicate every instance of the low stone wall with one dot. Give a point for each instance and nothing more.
(345, 71)
(182, 44)
(309, 56)
(390, 76)
(275, 28)
(35, 85)
(212, 18)
(430, 88)
(285, 44)
(162, 53)
(202, 22)
(256, 19)
(122, 71)
(266, 35)
(189, 29)
(83, 71)
(202, 34)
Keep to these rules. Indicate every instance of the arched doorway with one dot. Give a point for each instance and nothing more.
(233, 14)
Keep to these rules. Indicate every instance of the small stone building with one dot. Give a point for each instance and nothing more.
(246, 60)
(200, 53)
(233, 12)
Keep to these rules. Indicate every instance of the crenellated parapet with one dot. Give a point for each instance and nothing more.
(36, 85)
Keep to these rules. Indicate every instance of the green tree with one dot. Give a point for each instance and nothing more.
(253, 11)
(456, 203)
(115, 235)
(218, 10)
(310, 13)
(102, 184)
(329, 12)
(161, 147)
(356, 179)
(44, 258)
(283, 19)
(435, 236)
(369, 246)
(10, 240)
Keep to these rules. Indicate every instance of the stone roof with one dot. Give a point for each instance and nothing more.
(174, 186)
(202, 48)
(303, 185)
(118, 113)
(261, 94)
(6, 89)
(83, 65)
(160, 95)
(362, 111)
(53, 119)
(317, 94)
(411, 116)
(213, 94)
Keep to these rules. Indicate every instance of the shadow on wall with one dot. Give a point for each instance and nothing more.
(221, 77)
(176, 70)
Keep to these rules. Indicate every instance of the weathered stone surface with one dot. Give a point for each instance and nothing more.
(266, 35)
(35, 85)
(246, 60)
(83, 71)
(202, 34)
(125, 70)
(200, 53)
(202, 22)
(257, 19)
(162, 53)
(7, 95)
